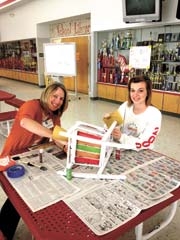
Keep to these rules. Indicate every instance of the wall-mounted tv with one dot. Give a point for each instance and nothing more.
(141, 10)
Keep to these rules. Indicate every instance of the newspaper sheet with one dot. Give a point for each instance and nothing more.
(150, 179)
(39, 188)
(108, 206)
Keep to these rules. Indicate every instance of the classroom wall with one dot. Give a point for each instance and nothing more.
(21, 22)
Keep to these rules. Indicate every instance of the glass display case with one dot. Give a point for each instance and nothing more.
(18, 60)
(20, 55)
(113, 71)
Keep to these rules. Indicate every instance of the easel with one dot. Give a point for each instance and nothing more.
(75, 94)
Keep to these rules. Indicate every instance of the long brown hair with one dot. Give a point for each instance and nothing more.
(148, 83)
(46, 94)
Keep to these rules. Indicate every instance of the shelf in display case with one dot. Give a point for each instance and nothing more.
(171, 63)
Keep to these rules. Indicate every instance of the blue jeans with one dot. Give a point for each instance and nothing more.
(9, 219)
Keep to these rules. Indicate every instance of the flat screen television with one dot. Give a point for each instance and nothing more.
(141, 10)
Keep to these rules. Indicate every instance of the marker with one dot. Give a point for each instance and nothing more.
(69, 173)
(41, 155)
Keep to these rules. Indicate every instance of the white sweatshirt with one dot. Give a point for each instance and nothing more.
(139, 131)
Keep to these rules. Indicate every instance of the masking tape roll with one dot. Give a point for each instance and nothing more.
(16, 171)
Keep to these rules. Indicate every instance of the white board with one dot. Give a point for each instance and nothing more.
(139, 57)
(60, 59)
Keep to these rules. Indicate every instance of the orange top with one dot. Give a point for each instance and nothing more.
(19, 138)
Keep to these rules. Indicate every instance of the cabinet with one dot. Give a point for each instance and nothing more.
(163, 100)
(171, 103)
(121, 93)
(19, 75)
(112, 92)
(106, 91)
(157, 99)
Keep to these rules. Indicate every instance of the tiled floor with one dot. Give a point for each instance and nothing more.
(87, 110)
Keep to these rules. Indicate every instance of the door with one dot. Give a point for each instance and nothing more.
(82, 50)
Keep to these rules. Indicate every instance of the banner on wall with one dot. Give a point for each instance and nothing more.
(72, 27)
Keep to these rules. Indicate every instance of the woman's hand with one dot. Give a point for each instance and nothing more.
(116, 133)
(65, 148)
(62, 144)
(107, 115)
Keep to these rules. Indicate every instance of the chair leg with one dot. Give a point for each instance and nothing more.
(5, 127)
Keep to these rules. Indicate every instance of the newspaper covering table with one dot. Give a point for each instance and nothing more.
(38, 188)
(108, 206)
(102, 205)
(150, 179)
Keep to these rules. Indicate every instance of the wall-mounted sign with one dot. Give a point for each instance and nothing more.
(139, 57)
(70, 28)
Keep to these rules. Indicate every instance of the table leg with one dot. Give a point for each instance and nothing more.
(163, 224)
(139, 231)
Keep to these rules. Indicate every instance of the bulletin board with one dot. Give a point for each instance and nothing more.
(60, 59)
(140, 57)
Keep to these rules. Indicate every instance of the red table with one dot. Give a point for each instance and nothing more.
(6, 116)
(58, 221)
(6, 95)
